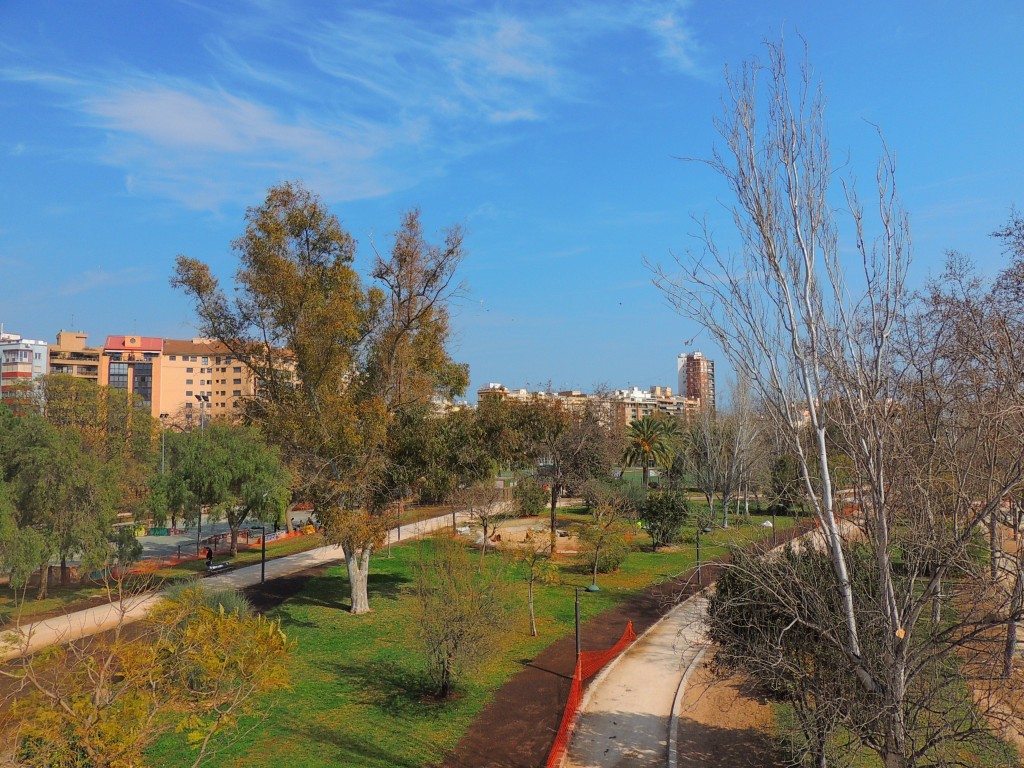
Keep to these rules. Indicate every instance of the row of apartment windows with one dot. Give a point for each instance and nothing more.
(206, 360)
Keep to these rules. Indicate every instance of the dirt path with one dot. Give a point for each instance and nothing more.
(723, 722)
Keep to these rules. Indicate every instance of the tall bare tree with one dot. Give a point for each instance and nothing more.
(822, 339)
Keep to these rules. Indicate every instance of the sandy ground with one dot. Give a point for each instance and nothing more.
(723, 722)
(519, 532)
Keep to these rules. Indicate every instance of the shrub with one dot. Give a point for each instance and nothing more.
(528, 497)
(663, 515)
(462, 611)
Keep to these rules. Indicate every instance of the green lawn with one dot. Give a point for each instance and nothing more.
(358, 696)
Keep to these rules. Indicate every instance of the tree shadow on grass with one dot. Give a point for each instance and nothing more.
(395, 690)
(332, 591)
(343, 748)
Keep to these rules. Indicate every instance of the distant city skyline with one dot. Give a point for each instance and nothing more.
(133, 132)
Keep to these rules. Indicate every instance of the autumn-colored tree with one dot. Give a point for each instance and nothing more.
(196, 665)
(337, 361)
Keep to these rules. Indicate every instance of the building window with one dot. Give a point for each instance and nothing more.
(188, 382)
(188, 406)
(172, 358)
(236, 393)
(237, 369)
(188, 370)
(236, 381)
(188, 393)
(119, 375)
(206, 361)
(216, 361)
(143, 382)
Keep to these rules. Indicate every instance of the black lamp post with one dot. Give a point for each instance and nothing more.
(263, 551)
(577, 624)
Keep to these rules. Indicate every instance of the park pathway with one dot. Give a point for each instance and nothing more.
(627, 711)
(629, 714)
(29, 638)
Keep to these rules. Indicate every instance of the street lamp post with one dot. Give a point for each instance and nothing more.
(163, 444)
(204, 401)
(577, 624)
(263, 551)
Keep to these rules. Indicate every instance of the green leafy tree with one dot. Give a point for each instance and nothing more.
(112, 424)
(663, 514)
(58, 488)
(337, 361)
(229, 469)
(528, 496)
(431, 454)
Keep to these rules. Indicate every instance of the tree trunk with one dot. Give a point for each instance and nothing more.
(554, 520)
(1016, 603)
(993, 544)
(44, 579)
(357, 564)
(234, 539)
(65, 577)
(483, 549)
(646, 473)
(533, 622)
(895, 747)
(597, 558)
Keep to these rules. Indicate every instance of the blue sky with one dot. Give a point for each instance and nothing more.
(131, 132)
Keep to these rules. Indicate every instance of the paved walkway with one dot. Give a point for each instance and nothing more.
(29, 638)
(627, 711)
(629, 714)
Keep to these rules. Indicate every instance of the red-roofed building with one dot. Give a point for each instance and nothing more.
(185, 380)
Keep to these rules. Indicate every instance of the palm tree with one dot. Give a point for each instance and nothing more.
(649, 438)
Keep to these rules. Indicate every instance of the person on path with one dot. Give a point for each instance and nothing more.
(209, 557)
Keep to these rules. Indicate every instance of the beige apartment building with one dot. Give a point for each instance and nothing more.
(201, 380)
(181, 381)
(71, 357)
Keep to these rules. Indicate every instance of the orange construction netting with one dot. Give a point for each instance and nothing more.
(588, 664)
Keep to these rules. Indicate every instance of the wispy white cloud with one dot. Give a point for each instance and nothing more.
(358, 104)
(98, 279)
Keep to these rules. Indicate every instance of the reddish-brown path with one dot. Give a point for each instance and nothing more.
(517, 729)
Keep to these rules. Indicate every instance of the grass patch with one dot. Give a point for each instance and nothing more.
(58, 600)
